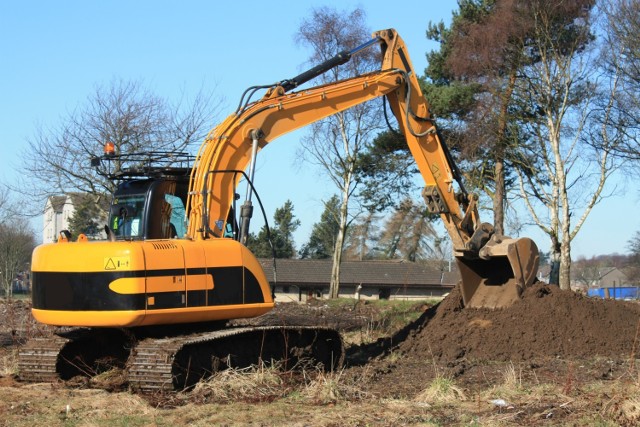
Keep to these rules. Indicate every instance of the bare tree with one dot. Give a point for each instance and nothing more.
(16, 243)
(622, 58)
(124, 113)
(335, 143)
(633, 262)
(588, 271)
(568, 94)
(4, 203)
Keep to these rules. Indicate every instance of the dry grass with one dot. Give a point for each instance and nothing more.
(264, 395)
(442, 390)
(331, 387)
(9, 363)
(512, 378)
(511, 388)
(621, 402)
(253, 384)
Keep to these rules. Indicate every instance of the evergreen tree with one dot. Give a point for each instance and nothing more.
(323, 235)
(362, 237)
(408, 234)
(387, 170)
(478, 63)
(88, 217)
(285, 224)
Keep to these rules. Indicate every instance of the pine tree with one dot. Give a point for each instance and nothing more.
(86, 216)
(279, 242)
(408, 234)
(323, 235)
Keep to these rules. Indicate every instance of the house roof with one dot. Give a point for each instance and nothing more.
(398, 273)
(611, 271)
(80, 198)
(57, 202)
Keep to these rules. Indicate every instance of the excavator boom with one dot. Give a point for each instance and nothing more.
(494, 268)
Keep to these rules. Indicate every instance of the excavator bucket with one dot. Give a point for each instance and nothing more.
(504, 268)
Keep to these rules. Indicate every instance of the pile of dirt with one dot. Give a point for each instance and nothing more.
(546, 322)
(544, 335)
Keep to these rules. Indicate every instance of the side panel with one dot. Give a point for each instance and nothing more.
(219, 285)
(166, 275)
(257, 286)
(237, 276)
(124, 284)
(71, 282)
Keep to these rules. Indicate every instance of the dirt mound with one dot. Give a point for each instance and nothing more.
(545, 334)
(546, 322)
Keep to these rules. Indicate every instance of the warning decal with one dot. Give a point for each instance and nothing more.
(117, 263)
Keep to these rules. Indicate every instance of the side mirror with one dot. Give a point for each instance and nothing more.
(123, 210)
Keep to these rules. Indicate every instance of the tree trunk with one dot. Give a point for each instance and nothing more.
(565, 247)
(555, 257)
(565, 265)
(501, 147)
(334, 285)
(498, 197)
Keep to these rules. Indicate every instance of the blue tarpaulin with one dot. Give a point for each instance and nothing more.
(623, 292)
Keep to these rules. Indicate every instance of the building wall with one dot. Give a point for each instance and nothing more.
(56, 221)
(47, 226)
(53, 222)
(290, 293)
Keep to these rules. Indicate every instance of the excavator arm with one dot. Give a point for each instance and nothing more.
(494, 269)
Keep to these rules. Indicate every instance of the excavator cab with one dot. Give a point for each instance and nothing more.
(152, 208)
(150, 198)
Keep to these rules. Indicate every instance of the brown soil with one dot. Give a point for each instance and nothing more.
(547, 332)
(546, 322)
(544, 335)
(550, 336)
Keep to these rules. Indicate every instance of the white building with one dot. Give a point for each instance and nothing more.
(57, 214)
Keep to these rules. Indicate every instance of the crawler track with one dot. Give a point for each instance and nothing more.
(85, 352)
(38, 359)
(177, 362)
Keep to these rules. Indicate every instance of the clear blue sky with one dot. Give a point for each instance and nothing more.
(53, 54)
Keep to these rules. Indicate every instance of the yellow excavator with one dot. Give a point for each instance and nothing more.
(156, 294)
